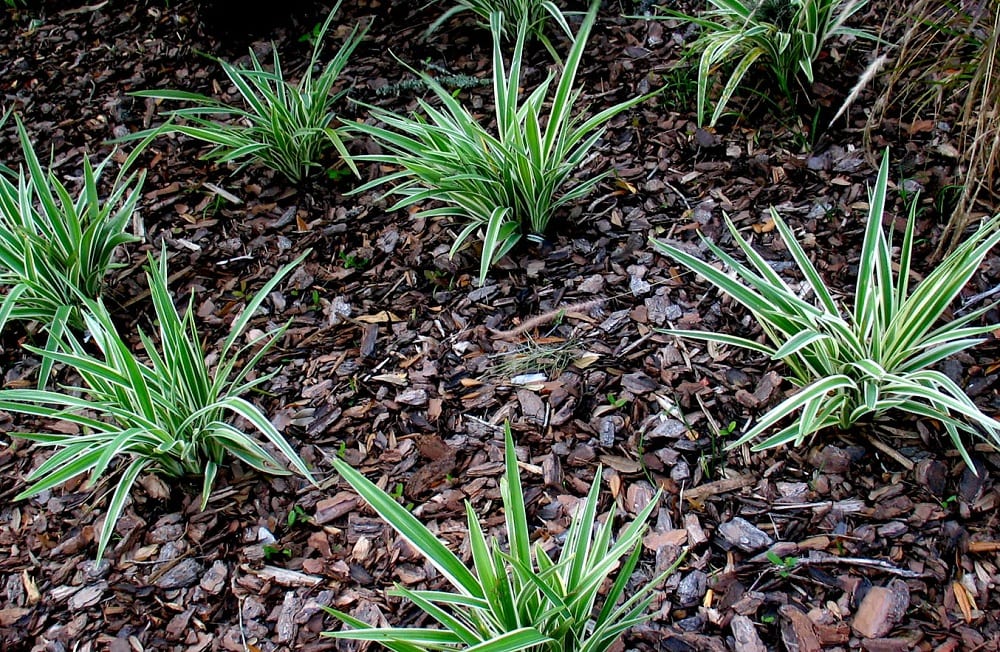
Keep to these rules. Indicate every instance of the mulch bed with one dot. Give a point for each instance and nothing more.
(880, 538)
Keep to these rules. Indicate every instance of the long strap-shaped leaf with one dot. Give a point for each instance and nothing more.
(117, 504)
(513, 500)
(561, 104)
(411, 529)
(818, 389)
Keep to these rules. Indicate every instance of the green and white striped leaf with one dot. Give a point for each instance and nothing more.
(518, 599)
(508, 184)
(878, 360)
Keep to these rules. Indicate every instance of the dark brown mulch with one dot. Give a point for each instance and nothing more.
(395, 360)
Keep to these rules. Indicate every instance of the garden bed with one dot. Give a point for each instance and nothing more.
(399, 362)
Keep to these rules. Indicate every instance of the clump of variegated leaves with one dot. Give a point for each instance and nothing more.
(531, 16)
(786, 36)
(505, 184)
(56, 248)
(169, 411)
(863, 363)
(516, 597)
(286, 126)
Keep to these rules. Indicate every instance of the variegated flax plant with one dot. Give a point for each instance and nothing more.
(532, 15)
(516, 597)
(172, 413)
(506, 184)
(786, 36)
(875, 358)
(57, 247)
(286, 126)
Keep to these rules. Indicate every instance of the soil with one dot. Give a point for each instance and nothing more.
(877, 538)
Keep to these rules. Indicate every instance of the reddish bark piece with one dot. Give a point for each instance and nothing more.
(797, 630)
(886, 645)
(314, 566)
(178, 625)
(431, 475)
(984, 546)
(948, 646)
(330, 509)
(183, 575)
(285, 626)
(410, 573)
(932, 474)
(881, 609)
(831, 459)
(696, 535)
(532, 406)
(638, 383)
(122, 645)
(321, 543)
(832, 634)
(769, 385)
(745, 635)
(719, 487)
(11, 615)
(551, 471)
(214, 580)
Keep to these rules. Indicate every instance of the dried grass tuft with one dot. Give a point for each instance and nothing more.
(945, 65)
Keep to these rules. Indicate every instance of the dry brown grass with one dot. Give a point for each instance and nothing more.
(979, 137)
(944, 67)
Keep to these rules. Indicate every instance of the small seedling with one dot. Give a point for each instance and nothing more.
(397, 495)
(617, 401)
(947, 503)
(312, 35)
(212, 207)
(351, 261)
(272, 552)
(336, 174)
(298, 515)
(785, 564)
(680, 86)
(714, 455)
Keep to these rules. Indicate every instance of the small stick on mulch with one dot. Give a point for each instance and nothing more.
(818, 558)
(700, 493)
(544, 318)
(902, 460)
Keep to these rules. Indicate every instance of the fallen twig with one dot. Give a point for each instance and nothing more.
(819, 558)
(544, 318)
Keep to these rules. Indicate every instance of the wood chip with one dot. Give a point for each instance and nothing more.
(283, 576)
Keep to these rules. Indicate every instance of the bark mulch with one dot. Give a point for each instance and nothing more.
(878, 538)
